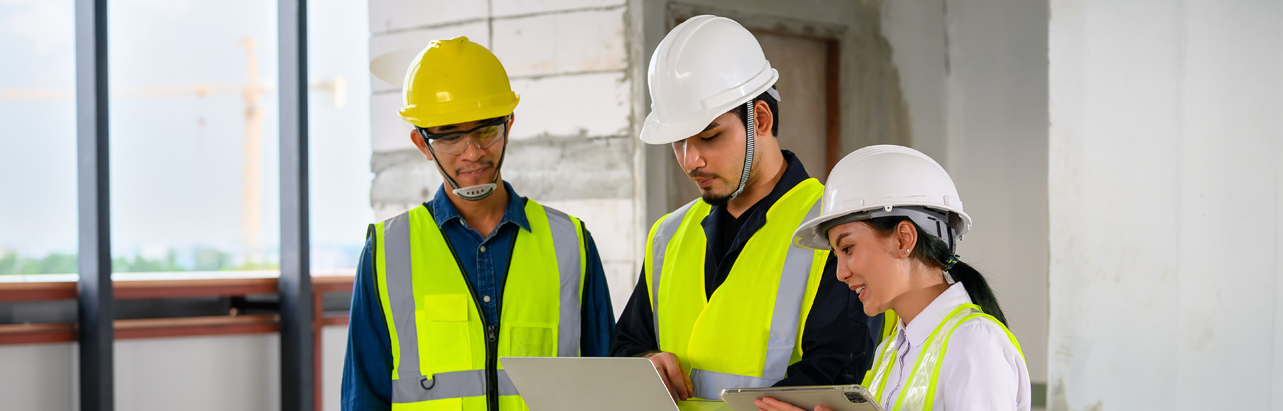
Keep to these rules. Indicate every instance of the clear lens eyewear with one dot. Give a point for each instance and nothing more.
(456, 142)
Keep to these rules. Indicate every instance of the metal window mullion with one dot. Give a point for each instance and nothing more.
(297, 385)
(95, 308)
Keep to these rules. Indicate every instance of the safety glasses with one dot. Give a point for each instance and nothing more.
(456, 142)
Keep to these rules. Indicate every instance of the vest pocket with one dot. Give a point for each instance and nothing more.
(444, 336)
(531, 339)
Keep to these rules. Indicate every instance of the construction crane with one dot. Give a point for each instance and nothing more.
(252, 150)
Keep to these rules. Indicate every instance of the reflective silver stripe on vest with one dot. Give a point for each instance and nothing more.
(565, 239)
(663, 235)
(400, 285)
(788, 306)
(709, 384)
(785, 321)
(458, 384)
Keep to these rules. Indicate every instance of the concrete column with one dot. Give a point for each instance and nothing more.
(1165, 191)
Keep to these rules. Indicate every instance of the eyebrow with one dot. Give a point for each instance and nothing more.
(710, 127)
(839, 239)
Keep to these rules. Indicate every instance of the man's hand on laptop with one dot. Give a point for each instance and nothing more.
(670, 369)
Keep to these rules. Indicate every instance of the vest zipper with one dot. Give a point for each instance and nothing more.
(492, 367)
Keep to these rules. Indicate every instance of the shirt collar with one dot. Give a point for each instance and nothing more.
(930, 317)
(444, 211)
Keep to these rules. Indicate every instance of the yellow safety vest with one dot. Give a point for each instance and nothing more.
(919, 392)
(750, 330)
(444, 355)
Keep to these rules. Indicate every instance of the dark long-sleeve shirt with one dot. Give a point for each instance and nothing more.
(837, 345)
(367, 368)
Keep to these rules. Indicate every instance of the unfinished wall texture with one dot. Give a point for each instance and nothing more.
(1165, 196)
(974, 75)
(572, 143)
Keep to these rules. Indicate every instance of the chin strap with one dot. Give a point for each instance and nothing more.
(748, 149)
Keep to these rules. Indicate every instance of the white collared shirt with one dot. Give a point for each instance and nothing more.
(981, 370)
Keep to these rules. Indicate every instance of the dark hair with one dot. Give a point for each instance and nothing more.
(934, 252)
(774, 106)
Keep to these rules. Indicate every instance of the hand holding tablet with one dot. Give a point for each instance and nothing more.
(815, 398)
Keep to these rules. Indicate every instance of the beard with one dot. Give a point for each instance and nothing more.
(710, 197)
(716, 200)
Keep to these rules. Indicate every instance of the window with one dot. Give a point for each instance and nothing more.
(193, 109)
(339, 133)
(37, 138)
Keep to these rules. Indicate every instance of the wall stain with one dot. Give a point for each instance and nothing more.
(1060, 402)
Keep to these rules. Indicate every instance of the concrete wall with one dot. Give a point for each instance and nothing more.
(217, 373)
(1165, 196)
(974, 75)
(572, 146)
(997, 145)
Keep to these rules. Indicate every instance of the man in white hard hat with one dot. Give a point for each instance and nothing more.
(724, 299)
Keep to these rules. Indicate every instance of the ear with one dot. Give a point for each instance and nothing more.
(422, 145)
(906, 238)
(763, 119)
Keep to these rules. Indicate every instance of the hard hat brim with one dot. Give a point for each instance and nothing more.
(810, 235)
(421, 119)
(656, 132)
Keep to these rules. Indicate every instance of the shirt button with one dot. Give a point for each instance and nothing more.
(483, 248)
(486, 298)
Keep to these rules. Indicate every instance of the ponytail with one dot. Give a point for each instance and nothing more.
(934, 252)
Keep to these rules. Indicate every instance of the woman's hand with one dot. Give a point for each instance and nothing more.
(771, 404)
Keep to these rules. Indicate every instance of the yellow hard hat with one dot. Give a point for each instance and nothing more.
(455, 81)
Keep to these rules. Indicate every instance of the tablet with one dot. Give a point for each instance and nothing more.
(836, 397)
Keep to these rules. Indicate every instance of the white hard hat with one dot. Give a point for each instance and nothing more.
(887, 180)
(706, 66)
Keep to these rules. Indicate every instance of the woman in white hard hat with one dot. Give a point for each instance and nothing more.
(892, 217)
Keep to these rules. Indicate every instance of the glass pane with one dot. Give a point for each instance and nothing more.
(194, 175)
(37, 138)
(339, 128)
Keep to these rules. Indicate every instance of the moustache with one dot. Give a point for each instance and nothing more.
(701, 174)
(479, 166)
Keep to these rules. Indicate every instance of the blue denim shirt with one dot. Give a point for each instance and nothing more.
(367, 368)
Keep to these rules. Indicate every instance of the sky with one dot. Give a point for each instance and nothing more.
(176, 159)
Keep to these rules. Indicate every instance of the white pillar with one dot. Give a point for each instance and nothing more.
(1164, 201)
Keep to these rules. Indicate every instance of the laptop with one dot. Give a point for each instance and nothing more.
(595, 383)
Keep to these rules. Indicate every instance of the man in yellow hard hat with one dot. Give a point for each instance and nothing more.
(477, 273)
(724, 299)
